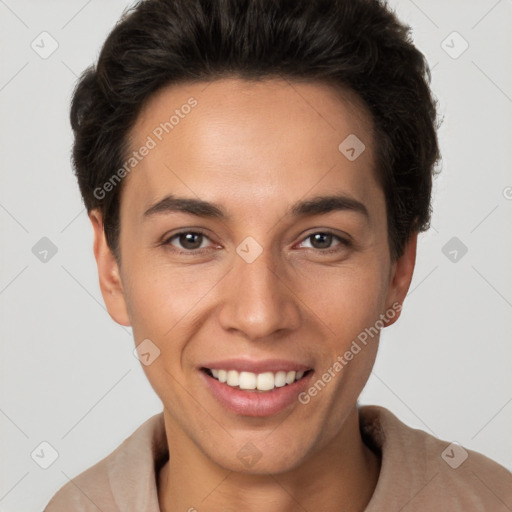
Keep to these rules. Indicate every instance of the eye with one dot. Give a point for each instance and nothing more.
(189, 241)
(197, 242)
(322, 240)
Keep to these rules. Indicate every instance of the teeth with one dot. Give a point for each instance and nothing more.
(290, 377)
(233, 378)
(247, 380)
(280, 379)
(251, 381)
(265, 381)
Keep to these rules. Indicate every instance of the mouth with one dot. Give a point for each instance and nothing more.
(256, 382)
(272, 386)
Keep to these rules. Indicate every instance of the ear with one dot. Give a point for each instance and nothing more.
(400, 280)
(108, 272)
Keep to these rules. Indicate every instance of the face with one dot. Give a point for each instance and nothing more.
(233, 262)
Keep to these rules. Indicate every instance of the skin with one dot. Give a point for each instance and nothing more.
(255, 149)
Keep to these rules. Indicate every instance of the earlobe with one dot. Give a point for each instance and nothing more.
(401, 278)
(108, 273)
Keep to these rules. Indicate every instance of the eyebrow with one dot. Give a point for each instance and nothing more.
(315, 206)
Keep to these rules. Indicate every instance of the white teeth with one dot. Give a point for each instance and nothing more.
(233, 378)
(290, 377)
(280, 379)
(247, 380)
(265, 381)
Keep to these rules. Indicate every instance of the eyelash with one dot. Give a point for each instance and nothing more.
(344, 243)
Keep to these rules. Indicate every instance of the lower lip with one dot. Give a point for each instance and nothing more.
(255, 403)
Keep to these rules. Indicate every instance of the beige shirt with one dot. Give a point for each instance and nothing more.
(418, 473)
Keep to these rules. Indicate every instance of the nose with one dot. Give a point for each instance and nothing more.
(258, 300)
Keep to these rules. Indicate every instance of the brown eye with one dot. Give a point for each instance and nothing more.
(187, 241)
(324, 242)
(321, 240)
(190, 241)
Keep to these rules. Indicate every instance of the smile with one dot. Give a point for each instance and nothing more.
(255, 388)
(249, 381)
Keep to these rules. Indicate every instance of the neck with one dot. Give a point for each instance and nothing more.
(342, 475)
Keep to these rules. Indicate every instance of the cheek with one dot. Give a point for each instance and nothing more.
(351, 306)
(346, 299)
(161, 306)
(157, 300)
(167, 304)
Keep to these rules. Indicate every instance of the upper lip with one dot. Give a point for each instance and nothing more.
(256, 366)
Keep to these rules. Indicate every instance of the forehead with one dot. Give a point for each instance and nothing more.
(239, 140)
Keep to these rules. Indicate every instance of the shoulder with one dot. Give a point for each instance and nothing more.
(124, 480)
(87, 492)
(421, 472)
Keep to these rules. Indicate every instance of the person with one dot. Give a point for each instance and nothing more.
(256, 173)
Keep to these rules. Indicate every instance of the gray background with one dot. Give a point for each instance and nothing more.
(68, 374)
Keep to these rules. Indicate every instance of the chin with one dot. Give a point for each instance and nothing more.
(260, 463)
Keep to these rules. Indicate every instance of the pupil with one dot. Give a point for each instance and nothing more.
(190, 240)
(322, 239)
